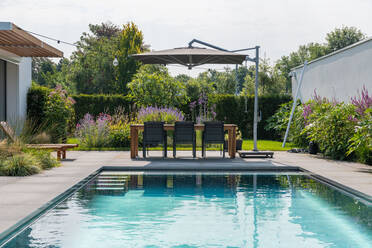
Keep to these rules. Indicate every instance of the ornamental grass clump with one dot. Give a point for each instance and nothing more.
(17, 160)
(93, 133)
(20, 165)
(167, 115)
(46, 160)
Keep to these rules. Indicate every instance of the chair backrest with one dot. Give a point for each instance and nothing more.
(214, 131)
(153, 132)
(7, 130)
(184, 131)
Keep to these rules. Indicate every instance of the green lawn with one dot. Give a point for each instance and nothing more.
(265, 145)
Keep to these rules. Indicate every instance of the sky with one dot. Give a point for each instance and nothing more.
(277, 26)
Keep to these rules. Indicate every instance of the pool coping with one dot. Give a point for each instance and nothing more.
(18, 227)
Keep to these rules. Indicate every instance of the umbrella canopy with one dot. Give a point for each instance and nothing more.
(190, 57)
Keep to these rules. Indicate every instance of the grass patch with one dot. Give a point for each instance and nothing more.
(265, 145)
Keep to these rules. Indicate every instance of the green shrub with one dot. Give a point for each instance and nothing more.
(20, 165)
(58, 113)
(331, 129)
(49, 110)
(279, 122)
(119, 135)
(361, 141)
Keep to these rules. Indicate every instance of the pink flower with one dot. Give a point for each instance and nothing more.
(362, 102)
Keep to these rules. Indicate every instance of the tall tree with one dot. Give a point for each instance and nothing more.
(342, 37)
(336, 39)
(270, 80)
(92, 64)
(131, 42)
(40, 68)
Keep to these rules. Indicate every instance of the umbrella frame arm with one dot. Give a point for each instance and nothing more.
(256, 60)
(206, 44)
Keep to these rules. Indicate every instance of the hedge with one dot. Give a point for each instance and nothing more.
(37, 97)
(231, 109)
(96, 104)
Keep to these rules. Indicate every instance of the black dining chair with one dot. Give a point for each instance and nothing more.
(184, 133)
(153, 135)
(213, 134)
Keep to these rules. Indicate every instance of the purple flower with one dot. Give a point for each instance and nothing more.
(168, 115)
(362, 102)
(351, 118)
(306, 112)
(192, 105)
(318, 99)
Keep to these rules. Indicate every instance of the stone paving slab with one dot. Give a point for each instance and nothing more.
(20, 196)
(353, 175)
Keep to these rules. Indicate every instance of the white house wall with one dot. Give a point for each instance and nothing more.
(24, 83)
(18, 80)
(338, 76)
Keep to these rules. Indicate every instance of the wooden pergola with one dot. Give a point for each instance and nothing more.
(15, 40)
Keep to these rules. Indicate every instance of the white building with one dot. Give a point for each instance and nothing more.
(16, 49)
(339, 75)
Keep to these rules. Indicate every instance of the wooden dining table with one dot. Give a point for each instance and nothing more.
(135, 128)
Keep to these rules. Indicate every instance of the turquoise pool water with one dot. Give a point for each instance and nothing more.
(202, 210)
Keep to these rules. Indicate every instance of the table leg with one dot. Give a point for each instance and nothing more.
(58, 155)
(233, 143)
(136, 134)
(133, 138)
(229, 141)
(64, 154)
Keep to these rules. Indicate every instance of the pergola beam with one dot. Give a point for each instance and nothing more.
(18, 41)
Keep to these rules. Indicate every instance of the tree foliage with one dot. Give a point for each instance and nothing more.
(335, 40)
(153, 86)
(270, 80)
(92, 64)
(342, 37)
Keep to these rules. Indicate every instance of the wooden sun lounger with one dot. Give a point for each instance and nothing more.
(60, 148)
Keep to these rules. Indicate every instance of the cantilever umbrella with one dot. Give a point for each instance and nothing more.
(190, 57)
(194, 56)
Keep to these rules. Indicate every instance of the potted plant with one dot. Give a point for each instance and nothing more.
(239, 141)
(313, 147)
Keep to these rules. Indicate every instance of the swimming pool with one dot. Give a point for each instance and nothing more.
(202, 209)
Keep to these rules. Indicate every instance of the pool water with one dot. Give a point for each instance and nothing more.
(202, 210)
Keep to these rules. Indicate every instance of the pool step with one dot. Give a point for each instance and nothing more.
(111, 184)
